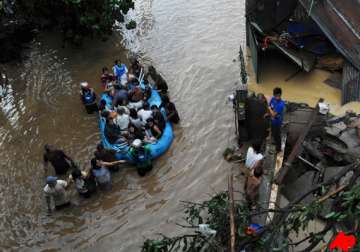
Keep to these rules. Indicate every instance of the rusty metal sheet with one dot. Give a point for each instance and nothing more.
(340, 21)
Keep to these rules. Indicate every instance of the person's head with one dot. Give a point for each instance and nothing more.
(105, 70)
(121, 111)
(76, 173)
(261, 97)
(116, 62)
(51, 181)
(277, 93)
(258, 172)
(133, 113)
(94, 164)
(150, 122)
(146, 106)
(105, 114)
(137, 143)
(256, 146)
(146, 80)
(154, 108)
(84, 85)
(99, 147)
(47, 148)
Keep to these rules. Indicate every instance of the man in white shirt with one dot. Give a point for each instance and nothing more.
(122, 119)
(254, 157)
(145, 113)
(55, 189)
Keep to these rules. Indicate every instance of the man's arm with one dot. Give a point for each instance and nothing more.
(109, 164)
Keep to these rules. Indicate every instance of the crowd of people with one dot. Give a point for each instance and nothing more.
(130, 117)
(254, 157)
(130, 120)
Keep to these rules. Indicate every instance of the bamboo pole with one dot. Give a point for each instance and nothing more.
(231, 213)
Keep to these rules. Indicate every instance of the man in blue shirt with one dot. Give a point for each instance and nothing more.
(276, 109)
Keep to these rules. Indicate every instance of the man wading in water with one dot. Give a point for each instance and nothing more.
(276, 108)
(55, 190)
(59, 160)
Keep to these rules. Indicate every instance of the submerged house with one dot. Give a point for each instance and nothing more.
(312, 33)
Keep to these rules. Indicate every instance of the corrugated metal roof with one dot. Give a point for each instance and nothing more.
(340, 21)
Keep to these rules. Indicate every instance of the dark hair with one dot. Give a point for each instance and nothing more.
(47, 147)
(146, 105)
(133, 113)
(103, 102)
(76, 173)
(93, 164)
(154, 107)
(120, 111)
(256, 146)
(277, 91)
(165, 99)
(104, 69)
(116, 62)
(99, 146)
(150, 120)
(105, 114)
(258, 172)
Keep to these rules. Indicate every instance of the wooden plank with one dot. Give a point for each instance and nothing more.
(274, 187)
(297, 147)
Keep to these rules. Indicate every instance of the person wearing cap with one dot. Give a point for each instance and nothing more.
(58, 159)
(55, 190)
(142, 156)
(88, 97)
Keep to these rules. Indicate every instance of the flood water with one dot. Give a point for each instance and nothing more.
(193, 44)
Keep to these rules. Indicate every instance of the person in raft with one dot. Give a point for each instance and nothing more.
(276, 109)
(120, 72)
(88, 97)
(55, 190)
(58, 159)
(142, 156)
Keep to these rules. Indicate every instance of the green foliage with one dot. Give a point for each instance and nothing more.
(294, 218)
(76, 18)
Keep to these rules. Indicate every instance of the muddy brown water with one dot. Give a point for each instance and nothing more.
(193, 44)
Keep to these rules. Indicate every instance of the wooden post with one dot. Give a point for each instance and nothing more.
(297, 147)
(231, 213)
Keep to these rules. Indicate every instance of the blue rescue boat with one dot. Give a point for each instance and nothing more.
(157, 149)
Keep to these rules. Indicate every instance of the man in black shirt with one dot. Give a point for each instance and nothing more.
(59, 160)
(106, 155)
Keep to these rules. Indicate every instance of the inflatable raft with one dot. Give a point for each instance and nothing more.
(157, 149)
